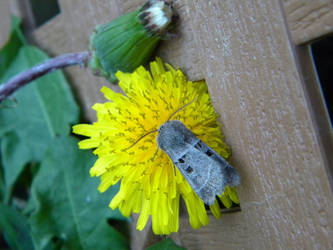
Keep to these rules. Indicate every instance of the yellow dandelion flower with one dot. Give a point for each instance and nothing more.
(150, 184)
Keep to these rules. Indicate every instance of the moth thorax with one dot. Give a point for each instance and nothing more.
(170, 137)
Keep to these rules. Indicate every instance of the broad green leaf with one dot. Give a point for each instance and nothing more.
(68, 206)
(2, 189)
(15, 228)
(167, 244)
(45, 109)
(2, 182)
(14, 153)
(47, 100)
(11, 48)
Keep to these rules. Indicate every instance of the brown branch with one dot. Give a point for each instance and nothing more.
(41, 69)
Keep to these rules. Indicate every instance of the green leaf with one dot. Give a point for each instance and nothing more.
(68, 206)
(45, 109)
(11, 48)
(2, 183)
(11, 148)
(43, 101)
(15, 228)
(167, 244)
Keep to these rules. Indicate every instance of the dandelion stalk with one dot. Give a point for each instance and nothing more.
(41, 69)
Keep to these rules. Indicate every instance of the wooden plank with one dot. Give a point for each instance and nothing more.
(243, 51)
(314, 94)
(256, 88)
(5, 22)
(309, 20)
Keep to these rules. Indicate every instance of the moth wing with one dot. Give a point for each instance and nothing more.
(202, 173)
(230, 176)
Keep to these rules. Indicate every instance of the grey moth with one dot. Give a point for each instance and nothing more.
(207, 172)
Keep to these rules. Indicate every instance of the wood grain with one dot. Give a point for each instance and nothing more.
(309, 20)
(243, 51)
(318, 110)
(250, 68)
(5, 22)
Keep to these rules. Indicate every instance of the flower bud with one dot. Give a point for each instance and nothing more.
(129, 41)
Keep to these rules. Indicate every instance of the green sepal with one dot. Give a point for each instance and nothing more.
(123, 44)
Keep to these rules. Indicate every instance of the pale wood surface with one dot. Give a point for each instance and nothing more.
(317, 108)
(309, 19)
(7, 9)
(4, 22)
(243, 51)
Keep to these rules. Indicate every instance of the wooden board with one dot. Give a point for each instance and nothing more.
(244, 52)
(5, 22)
(308, 19)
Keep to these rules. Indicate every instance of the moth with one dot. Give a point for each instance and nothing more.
(205, 170)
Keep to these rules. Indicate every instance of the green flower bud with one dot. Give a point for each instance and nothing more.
(129, 41)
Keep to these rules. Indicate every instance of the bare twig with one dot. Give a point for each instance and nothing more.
(41, 69)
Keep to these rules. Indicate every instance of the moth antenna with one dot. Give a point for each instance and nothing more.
(158, 147)
(181, 108)
(140, 139)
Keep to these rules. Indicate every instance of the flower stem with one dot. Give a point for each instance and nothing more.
(41, 69)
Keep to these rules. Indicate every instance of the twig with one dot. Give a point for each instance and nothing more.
(41, 69)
